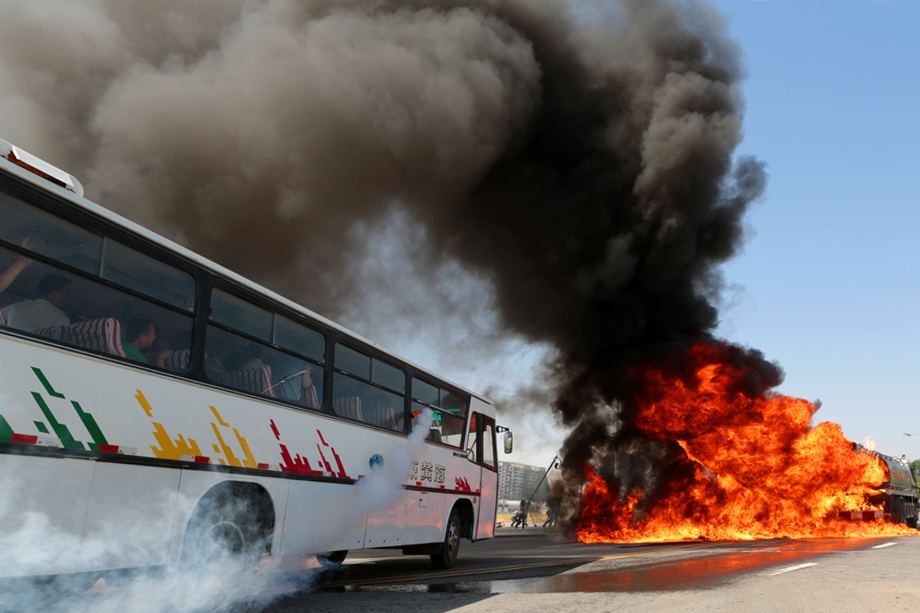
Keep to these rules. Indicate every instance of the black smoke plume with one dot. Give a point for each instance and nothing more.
(578, 157)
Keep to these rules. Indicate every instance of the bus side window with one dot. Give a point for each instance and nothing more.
(368, 390)
(70, 308)
(472, 439)
(453, 416)
(50, 236)
(143, 310)
(448, 411)
(489, 457)
(238, 353)
(147, 275)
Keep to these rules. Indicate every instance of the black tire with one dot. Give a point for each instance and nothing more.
(446, 553)
(332, 557)
(224, 532)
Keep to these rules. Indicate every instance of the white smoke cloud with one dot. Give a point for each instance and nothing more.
(34, 546)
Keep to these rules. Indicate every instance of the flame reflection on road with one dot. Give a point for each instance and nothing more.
(695, 573)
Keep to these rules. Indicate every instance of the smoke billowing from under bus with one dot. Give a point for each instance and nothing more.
(557, 173)
(206, 580)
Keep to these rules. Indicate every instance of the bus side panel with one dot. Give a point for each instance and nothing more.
(430, 516)
(322, 517)
(130, 514)
(420, 516)
(415, 519)
(42, 507)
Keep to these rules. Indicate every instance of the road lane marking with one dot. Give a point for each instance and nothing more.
(789, 569)
(883, 545)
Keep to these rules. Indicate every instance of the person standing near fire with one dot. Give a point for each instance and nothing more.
(523, 510)
(552, 511)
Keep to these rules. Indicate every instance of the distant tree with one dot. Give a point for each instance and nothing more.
(915, 466)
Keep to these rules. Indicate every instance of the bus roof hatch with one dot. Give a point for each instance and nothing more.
(40, 167)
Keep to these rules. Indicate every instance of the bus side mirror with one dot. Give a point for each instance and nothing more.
(509, 442)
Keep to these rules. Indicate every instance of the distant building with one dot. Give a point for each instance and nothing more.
(517, 481)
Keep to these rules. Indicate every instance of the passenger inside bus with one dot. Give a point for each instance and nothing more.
(178, 355)
(44, 311)
(12, 272)
(140, 335)
(247, 370)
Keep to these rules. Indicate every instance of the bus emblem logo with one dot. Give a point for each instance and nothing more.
(376, 462)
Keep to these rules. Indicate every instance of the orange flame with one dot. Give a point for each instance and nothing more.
(758, 469)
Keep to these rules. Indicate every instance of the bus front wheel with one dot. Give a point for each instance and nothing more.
(445, 554)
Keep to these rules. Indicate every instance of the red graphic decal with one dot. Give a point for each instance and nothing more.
(338, 461)
(300, 465)
(323, 460)
(297, 465)
(462, 484)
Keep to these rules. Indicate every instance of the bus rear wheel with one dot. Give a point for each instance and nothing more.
(232, 521)
(445, 554)
(218, 538)
(224, 538)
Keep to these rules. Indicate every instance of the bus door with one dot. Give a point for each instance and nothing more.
(482, 447)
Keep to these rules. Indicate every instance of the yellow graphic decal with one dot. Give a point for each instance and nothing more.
(249, 461)
(220, 419)
(169, 449)
(231, 459)
(144, 404)
(175, 449)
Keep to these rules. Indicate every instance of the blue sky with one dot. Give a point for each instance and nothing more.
(827, 283)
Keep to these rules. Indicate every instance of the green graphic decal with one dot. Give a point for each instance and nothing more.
(6, 433)
(60, 429)
(91, 426)
(46, 384)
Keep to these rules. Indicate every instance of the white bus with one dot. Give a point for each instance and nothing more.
(151, 399)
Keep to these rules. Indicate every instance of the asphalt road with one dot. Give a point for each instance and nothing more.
(527, 572)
